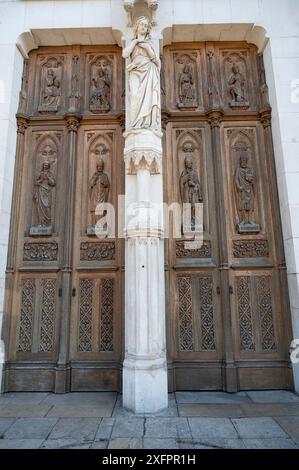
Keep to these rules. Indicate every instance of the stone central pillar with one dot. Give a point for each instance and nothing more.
(145, 366)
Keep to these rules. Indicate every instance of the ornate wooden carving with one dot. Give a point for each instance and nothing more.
(101, 83)
(186, 81)
(51, 84)
(203, 252)
(250, 248)
(185, 319)
(75, 84)
(207, 314)
(244, 314)
(35, 251)
(48, 315)
(97, 251)
(235, 73)
(265, 313)
(27, 315)
(106, 324)
(85, 319)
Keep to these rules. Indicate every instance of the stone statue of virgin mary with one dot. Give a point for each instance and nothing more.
(144, 79)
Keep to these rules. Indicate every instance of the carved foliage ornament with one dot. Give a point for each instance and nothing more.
(203, 252)
(250, 248)
(97, 251)
(40, 251)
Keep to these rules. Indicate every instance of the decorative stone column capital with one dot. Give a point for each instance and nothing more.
(143, 159)
(72, 122)
(215, 117)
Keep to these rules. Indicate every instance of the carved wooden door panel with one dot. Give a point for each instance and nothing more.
(227, 303)
(63, 303)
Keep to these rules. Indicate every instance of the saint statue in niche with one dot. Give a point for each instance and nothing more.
(244, 184)
(100, 89)
(190, 187)
(236, 85)
(42, 197)
(99, 187)
(51, 91)
(187, 88)
(144, 79)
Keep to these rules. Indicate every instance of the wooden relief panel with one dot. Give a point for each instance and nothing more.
(38, 315)
(51, 93)
(96, 315)
(255, 313)
(195, 317)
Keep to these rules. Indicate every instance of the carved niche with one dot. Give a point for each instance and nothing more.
(99, 183)
(236, 77)
(186, 80)
(101, 70)
(245, 183)
(44, 184)
(51, 84)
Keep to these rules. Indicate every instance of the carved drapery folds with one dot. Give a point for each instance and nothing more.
(235, 73)
(51, 84)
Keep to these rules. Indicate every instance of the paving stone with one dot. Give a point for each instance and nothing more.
(212, 428)
(172, 410)
(212, 397)
(150, 443)
(105, 429)
(261, 427)
(102, 444)
(290, 424)
(65, 444)
(206, 443)
(128, 427)
(275, 443)
(220, 411)
(29, 398)
(20, 443)
(296, 441)
(81, 398)
(167, 428)
(5, 423)
(273, 396)
(270, 409)
(125, 443)
(24, 411)
(30, 428)
(81, 429)
(82, 411)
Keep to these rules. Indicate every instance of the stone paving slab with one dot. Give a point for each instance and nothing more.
(220, 411)
(212, 428)
(206, 443)
(260, 427)
(20, 443)
(270, 409)
(65, 444)
(128, 427)
(151, 443)
(102, 444)
(276, 443)
(30, 428)
(29, 398)
(290, 424)
(81, 429)
(167, 428)
(273, 396)
(125, 443)
(84, 411)
(24, 411)
(105, 428)
(5, 424)
(212, 397)
(80, 398)
(172, 410)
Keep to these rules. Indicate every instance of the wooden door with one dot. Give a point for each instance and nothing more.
(227, 305)
(64, 301)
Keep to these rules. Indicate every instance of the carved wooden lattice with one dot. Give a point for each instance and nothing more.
(106, 328)
(27, 315)
(265, 313)
(185, 314)
(245, 314)
(85, 321)
(47, 328)
(207, 314)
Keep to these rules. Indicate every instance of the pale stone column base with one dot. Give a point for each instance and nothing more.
(145, 385)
